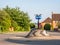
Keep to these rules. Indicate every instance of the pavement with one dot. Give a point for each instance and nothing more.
(19, 39)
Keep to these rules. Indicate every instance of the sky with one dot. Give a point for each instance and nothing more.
(33, 7)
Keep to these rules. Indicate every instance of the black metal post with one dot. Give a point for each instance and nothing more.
(38, 17)
(38, 23)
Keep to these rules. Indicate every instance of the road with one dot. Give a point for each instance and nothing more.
(19, 39)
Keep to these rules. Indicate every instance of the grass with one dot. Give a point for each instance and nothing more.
(12, 32)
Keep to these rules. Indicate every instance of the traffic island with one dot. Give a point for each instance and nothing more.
(37, 33)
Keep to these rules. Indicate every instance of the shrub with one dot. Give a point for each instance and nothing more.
(58, 26)
(15, 25)
(32, 25)
(47, 26)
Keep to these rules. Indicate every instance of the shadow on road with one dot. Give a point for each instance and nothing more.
(34, 42)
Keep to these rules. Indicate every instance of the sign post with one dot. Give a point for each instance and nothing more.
(38, 17)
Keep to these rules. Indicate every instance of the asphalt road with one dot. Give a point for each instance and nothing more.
(18, 39)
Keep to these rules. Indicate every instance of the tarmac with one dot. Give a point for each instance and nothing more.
(19, 39)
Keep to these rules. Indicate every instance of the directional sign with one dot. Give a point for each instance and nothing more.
(38, 16)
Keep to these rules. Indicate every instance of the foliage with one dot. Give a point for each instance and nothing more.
(32, 25)
(14, 17)
(15, 25)
(59, 24)
(47, 26)
(5, 21)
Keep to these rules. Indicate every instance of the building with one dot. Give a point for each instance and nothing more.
(48, 20)
(55, 20)
(52, 21)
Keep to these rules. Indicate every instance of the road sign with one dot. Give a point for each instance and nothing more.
(38, 16)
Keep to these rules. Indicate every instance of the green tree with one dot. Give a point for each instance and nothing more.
(32, 25)
(47, 26)
(21, 18)
(5, 21)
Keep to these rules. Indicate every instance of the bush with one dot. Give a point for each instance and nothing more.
(15, 25)
(58, 26)
(32, 25)
(47, 26)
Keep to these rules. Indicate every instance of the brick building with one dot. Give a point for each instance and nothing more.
(52, 21)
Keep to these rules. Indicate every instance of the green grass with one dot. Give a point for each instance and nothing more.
(12, 32)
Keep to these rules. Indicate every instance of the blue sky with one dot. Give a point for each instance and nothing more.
(33, 7)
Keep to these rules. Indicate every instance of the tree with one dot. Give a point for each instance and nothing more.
(5, 21)
(19, 17)
(47, 26)
(32, 25)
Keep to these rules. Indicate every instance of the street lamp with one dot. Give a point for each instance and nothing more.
(38, 17)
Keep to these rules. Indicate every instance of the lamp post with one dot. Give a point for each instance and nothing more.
(38, 17)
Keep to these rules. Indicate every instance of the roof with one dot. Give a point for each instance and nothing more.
(56, 17)
(48, 20)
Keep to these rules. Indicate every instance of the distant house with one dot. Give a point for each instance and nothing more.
(52, 21)
(55, 20)
(48, 20)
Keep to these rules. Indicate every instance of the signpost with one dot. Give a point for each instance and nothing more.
(38, 17)
(38, 32)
